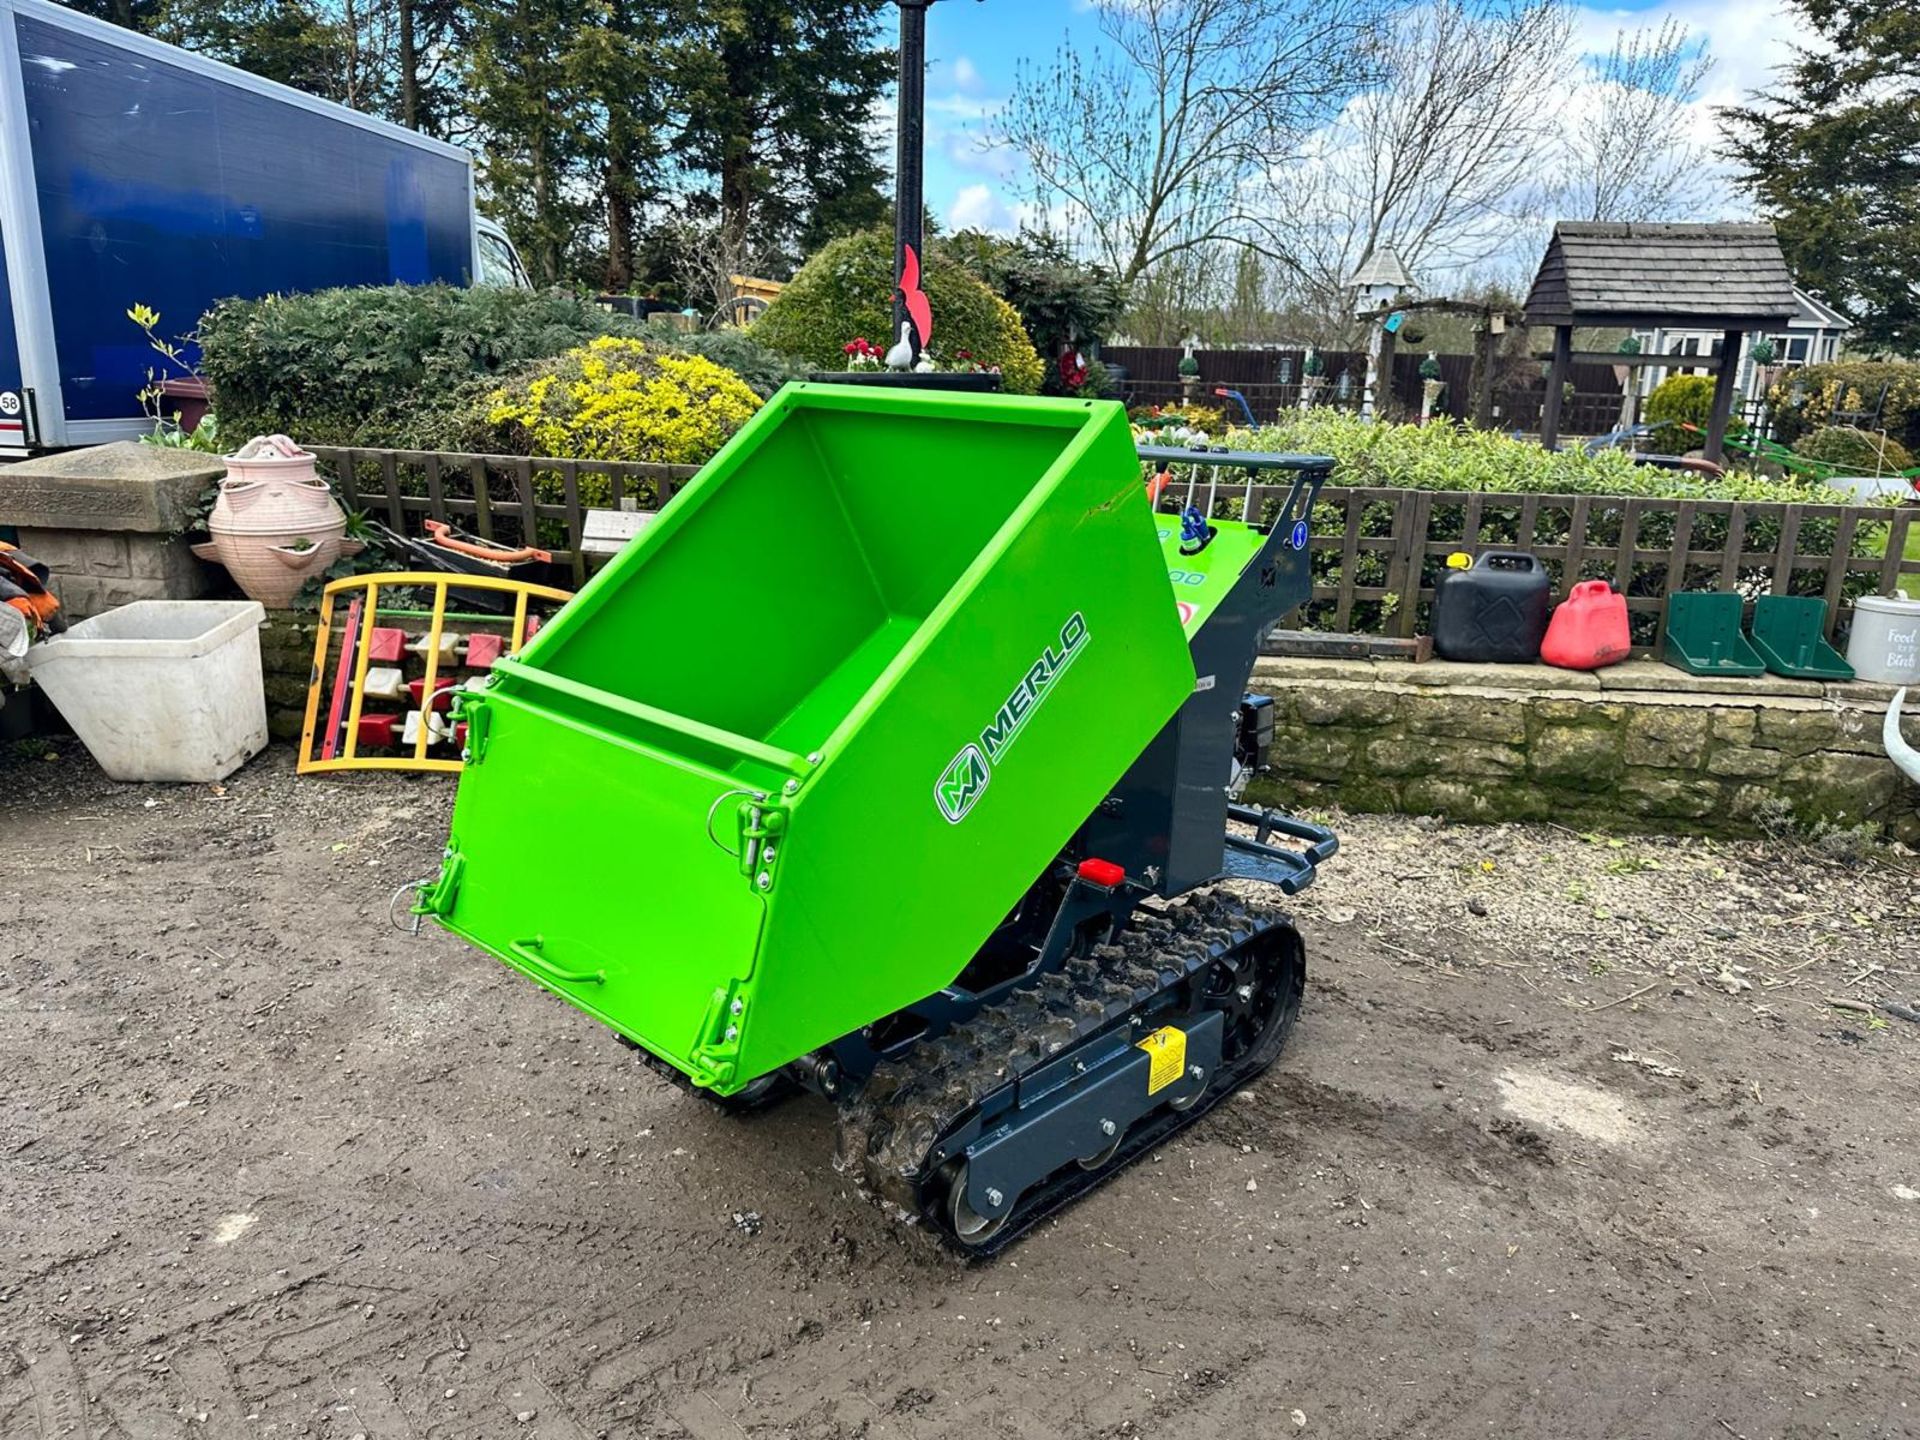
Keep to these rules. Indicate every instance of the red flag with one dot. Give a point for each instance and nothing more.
(918, 309)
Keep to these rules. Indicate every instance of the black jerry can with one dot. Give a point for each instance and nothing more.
(1494, 613)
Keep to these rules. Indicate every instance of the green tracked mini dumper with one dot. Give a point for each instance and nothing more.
(884, 764)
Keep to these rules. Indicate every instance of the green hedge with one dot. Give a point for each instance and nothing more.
(354, 366)
(845, 292)
(1445, 456)
(1441, 456)
(409, 366)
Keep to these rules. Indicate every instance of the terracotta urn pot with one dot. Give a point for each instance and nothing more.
(275, 524)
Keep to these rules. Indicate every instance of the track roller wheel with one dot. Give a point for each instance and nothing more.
(1101, 1157)
(967, 1226)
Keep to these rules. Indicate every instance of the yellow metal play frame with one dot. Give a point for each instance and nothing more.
(372, 585)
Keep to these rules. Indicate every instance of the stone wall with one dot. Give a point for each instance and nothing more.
(107, 522)
(286, 657)
(1640, 745)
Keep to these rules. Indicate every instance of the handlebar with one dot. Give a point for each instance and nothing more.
(1166, 456)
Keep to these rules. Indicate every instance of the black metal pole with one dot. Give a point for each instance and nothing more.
(909, 219)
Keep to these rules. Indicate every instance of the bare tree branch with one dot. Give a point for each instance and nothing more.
(1148, 148)
(1440, 160)
(1627, 152)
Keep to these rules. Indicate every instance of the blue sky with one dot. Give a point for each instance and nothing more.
(973, 50)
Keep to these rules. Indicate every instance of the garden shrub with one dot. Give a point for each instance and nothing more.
(359, 366)
(615, 398)
(1677, 402)
(846, 292)
(1445, 455)
(764, 370)
(1856, 452)
(1061, 301)
(1848, 385)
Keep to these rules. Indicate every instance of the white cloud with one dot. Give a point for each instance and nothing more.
(1748, 40)
(982, 207)
(967, 75)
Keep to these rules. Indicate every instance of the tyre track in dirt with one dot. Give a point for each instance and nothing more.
(455, 1185)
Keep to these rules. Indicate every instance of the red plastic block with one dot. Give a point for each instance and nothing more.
(483, 650)
(384, 646)
(377, 730)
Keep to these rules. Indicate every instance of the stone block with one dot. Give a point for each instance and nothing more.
(156, 567)
(1659, 677)
(1736, 761)
(1667, 737)
(1840, 789)
(1416, 755)
(1823, 727)
(1579, 757)
(1469, 716)
(118, 487)
(84, 595)
(1271, 673)
(287, 691)
(1313, 754)
(1552, 711)
(1484, 801)
(1735, 727)
(1869, 694)
(106, 554)
(1528, 679)
(1362, 796)
(1323, 704)
(152, 557)
(1662, 795)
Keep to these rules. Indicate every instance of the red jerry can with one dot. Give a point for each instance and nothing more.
(1589, 629)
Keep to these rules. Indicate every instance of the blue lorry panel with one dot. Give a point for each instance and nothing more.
(9, 349)
(163, 186)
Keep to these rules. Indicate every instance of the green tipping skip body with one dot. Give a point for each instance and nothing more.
(787, 762)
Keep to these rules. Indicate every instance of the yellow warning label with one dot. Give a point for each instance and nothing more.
(1167, 1049)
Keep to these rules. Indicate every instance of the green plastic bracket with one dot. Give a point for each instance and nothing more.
(1703, 635)
(1789, 631)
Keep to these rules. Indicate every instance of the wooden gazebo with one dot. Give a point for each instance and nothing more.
(1730, 278)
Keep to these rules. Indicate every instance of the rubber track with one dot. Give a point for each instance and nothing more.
(885, 1135)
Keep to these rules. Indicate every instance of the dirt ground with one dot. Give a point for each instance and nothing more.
(1600, 1161)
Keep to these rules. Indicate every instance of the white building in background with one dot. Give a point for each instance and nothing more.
(1812, 337)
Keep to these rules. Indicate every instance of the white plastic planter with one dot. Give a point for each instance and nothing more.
(161, 689)
(1885, 645)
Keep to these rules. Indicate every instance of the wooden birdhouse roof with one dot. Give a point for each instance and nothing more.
(1730, 277)
(1381, 267)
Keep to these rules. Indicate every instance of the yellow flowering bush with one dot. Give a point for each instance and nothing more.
(1804, 399)
(618, 399)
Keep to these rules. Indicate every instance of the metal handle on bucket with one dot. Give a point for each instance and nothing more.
(528, 951)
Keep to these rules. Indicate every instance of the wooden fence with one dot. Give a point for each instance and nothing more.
(1377, 552)
(507, 498)
(1153, 379)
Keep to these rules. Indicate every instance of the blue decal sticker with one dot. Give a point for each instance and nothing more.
(1298, 539)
